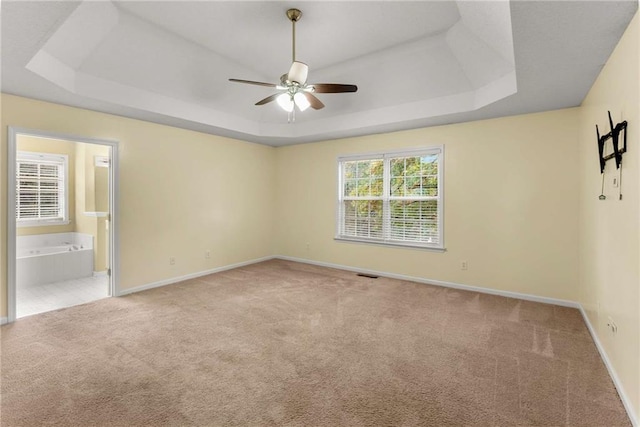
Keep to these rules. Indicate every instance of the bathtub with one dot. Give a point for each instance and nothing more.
(48, 258)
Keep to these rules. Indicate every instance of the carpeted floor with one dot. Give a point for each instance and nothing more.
(281, 343)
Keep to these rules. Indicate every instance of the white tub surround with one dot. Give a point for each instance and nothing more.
(48, 258)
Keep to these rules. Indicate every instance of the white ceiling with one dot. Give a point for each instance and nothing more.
(416, 63)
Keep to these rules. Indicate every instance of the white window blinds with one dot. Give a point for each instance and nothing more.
(41, 188)
(393, 198)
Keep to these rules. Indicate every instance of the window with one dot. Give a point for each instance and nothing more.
(392, 198)
(41, 189)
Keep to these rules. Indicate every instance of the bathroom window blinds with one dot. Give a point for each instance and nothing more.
(392, 198)
(41, 189)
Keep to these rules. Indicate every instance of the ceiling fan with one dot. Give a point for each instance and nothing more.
(296, 92)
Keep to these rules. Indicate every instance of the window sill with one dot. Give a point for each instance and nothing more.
(22, 224)
(390, 244)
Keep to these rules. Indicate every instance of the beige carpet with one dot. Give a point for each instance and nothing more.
(281, 343)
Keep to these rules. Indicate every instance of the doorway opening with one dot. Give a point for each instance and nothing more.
(62, 223)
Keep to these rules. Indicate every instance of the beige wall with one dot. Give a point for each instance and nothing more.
(181, 192)
(101, 188)
(610, 229)
(520, 236)
(510, 204)
(46, 145)
(88, 197)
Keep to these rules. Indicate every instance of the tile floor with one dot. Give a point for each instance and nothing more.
(52, 296)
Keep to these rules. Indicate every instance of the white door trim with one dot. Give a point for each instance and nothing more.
(114, 192)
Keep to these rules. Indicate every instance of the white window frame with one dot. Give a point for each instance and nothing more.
(44, 158)
(386, 157)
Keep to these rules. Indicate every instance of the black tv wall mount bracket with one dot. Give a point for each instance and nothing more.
(618, 150)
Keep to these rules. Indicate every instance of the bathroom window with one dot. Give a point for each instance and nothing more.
(392, 198)
(41, 189)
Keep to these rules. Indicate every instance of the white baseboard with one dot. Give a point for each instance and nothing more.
(508, 294)
(626, 402)
(3, 320)
(100, 273)
(190, 276)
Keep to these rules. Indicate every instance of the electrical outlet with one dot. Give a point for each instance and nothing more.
(207, 254)
(308, 246)
(464, 265)
(172, 261)
(615, 181)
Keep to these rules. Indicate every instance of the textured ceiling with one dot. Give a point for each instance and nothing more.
(416, 63)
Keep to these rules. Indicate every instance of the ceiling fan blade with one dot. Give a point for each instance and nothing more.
(316, 104)
(251, 82)
(268, 99)
(333, 88)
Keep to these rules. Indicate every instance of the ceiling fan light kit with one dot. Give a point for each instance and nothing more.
(298, 72)
(297, 92)
(286, 102)
(301, 101)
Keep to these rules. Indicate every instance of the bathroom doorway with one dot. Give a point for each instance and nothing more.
(62, 201)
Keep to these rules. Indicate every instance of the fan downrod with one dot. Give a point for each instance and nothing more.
(294, 16)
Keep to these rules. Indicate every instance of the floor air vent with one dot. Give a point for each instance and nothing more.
(370, 276)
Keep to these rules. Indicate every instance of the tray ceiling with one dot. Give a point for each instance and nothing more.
(415, 63)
